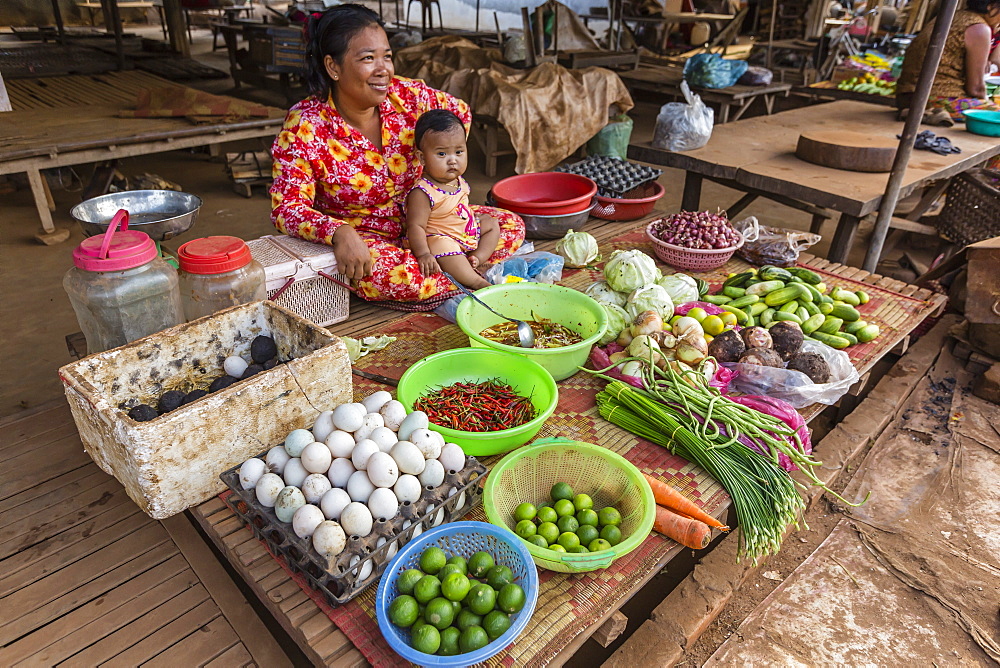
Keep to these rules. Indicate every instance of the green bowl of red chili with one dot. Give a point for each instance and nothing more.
(481, 388)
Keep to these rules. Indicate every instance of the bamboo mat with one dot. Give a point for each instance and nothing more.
(73, 90)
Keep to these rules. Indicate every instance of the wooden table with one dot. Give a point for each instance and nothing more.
(667, 81)
(827, 90)
(757, 156)
(72, 120)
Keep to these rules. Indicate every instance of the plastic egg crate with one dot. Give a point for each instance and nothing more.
(614, 177)
(363, 560)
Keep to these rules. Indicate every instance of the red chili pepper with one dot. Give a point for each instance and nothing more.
(477, 407)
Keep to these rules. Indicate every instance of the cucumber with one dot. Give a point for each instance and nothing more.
(831, 340)
(821, 286)
(867, 333)
(767, 317)
(718, 300)
(810, 277)
(769, 273)
(803, 313)
(790, 307)
(845, 312)
(783, 315)
(782, 296)
(853, 327)
(764, 287)
(812, 307)
(826, 299)
(805, 294)
(863, 297)
(830, 325)
(846, 296)
(795, 279)
(741, 316)
(757, 308)
(816, 294)
(811, 324)
(853, 340)
(751, 321)
(745, 300)
(825, 308)
(734, 292)
(738, 280)
(703, 287)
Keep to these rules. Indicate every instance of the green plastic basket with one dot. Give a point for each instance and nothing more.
(528, 474)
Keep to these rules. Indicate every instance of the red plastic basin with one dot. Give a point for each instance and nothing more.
(545, 193)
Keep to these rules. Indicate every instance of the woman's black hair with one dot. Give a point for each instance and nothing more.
(982, 6)
(435, 120)
(328, 34)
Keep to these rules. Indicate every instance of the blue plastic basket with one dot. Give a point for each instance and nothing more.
(465, 539)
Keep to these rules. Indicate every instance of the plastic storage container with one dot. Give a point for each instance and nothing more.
(120, 287)
(216, 273)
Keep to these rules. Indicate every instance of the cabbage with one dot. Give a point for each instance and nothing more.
(617, 321)
(652, 297)
(681, 288)
(600, 292)
(578, 248)
(627, 270)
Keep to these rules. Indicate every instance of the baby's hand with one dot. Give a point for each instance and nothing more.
(428, 264)
(473, 260)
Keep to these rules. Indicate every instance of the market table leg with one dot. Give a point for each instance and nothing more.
(39, 189)
(691, 199)
(841, 244)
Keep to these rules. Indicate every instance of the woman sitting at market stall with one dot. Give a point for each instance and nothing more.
(959, 83)
(345, 160)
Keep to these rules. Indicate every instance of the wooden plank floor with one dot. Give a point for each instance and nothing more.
(86, 578)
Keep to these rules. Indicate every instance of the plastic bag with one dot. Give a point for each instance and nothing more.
(536, 266)
(684, 126)
(773, 245)
(612, 140)
(794, 386)
(756, 76)
(710, 70)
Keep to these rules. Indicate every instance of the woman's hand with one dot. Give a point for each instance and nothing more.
(354, 259)
(428, 264)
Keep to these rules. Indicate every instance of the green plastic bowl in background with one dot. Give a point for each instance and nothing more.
(477, 365)
(526, 301)
(982, 122)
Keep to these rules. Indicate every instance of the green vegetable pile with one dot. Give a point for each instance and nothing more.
(769, 294)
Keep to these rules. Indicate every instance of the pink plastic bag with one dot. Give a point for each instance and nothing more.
(784, 412)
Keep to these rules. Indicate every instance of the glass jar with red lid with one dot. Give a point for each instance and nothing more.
(216, 273)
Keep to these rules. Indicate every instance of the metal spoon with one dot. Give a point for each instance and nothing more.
(524, 331)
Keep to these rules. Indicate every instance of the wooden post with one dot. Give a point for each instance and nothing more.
(539, 32)
(529, 38)
(931, 61)
(176, 27)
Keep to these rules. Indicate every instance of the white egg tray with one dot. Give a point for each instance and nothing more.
(363, 560)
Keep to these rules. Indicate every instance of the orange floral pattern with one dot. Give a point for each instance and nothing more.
(327, 174)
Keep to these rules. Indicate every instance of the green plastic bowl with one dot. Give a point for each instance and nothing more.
(983, 122)
(611, 480)
(524, 301)
(477, 365)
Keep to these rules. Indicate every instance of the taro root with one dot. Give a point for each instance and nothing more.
(786, 337)
(142, 413)
(169, 401)
(756, 337)
(812, 365)
(727, 346)
(761, 357)
(263, 348)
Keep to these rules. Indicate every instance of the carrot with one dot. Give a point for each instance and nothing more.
(668, 497)
(687, 532)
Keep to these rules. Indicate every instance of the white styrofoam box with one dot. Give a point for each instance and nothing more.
(174, 461)
(293, 267)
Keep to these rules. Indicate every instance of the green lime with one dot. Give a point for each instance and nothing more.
(565, 508)
(568, 539)
(587, 516)
(460, 562)
(468, 618)
(481, 599)
(427, 587)
(525, 511)
(587, 533)
(612, 534)
(547, 514)
(548, 531)
(417, 624)
(449, 642)
(439, 613)
(457, 607)
(525, 529)
(448, 570)
(498, 576)
(407, 580)
(583, 502)
(496, 624)
(480, 563)
(403, 611)
(540, 541)
(426, 639)
(698, 313)
(579, 549)
(432, 560)
(568, 523)
(599, 544)
(561, 490)
(511, 598)
(473, 638)
(609, 516)
(556, 547)
(455, 587)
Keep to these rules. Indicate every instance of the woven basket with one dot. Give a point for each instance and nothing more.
(692, 259)
(972, 208)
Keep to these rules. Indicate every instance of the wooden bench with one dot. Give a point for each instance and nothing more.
(93, 7)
